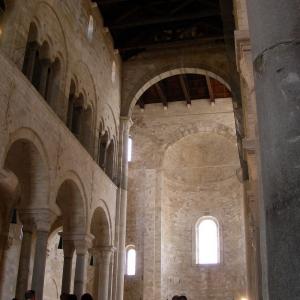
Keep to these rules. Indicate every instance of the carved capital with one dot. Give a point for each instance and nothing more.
(82, 242)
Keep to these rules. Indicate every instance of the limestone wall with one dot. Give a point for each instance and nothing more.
(185, 165)
(26, 118)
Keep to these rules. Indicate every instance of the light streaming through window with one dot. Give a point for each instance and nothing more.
(90, 29)
(207, 242)
(129, 155)
(131, 262)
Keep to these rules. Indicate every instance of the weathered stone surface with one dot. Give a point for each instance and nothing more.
(185, 165)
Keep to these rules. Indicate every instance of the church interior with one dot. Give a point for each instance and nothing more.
(150, 150)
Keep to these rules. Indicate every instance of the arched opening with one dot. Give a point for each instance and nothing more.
(207, 241)
(101, 270)
(76, 123)
(71, 104)
(186, 157)
(67, 228)
(52, 93)
(87, 134)
(24, 189)
(55, 261)
(71, 203)
(103, 141)
(130, 260)
(110, 162)
(42, 69)
(30, 58)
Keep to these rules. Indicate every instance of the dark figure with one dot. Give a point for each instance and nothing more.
(86, 296)
(30, 295)
(64, 296)
(14, 299)
(175, 298)
(182, 298)
(72, 297)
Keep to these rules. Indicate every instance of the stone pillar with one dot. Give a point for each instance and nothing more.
(68, 247)
(82, 244)
(43, 219)
(29, 61)
(103, 257)
(275, 35)
(119, 265)
(25, 256)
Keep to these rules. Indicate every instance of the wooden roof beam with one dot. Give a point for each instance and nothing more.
(185, 89)
(210, 90)
(165, 20)
(161, 94)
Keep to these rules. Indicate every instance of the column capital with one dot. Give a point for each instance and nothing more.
(104, 253)
(126, 122)
(82, 242)
(42, 218)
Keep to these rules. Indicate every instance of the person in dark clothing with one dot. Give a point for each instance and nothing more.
(30, 295)
(72, 297)
(175, 298)
(86, 296)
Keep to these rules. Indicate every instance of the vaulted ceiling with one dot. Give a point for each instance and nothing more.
(138, 25)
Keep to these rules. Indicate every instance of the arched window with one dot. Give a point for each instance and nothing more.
(207, 241)
(129, 154)
(130, 261)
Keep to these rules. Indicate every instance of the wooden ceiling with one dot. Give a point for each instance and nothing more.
(2, 6)
(140, 25)
(186, 87)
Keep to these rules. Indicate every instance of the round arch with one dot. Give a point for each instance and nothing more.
(25, 156)
(101, 227)
(71, 199)
(166, 72)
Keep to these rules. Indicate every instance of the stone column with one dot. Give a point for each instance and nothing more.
(68, 247)
(119, 265)
(30, 62)
(25, 255)
(82, 244)
(45, 65)
(43, 219)
(275, 38)
(103, 257)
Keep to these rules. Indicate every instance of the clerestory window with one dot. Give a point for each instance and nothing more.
(207, 241)
(130, 261)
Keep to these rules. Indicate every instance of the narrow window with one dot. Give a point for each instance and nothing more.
(90, 29)
(129, 154)
(207, 241)
(130, 261)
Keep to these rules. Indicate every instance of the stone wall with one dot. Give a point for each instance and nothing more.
(185, 165)
(56, 156)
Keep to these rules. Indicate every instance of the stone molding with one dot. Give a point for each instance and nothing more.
(242, 44)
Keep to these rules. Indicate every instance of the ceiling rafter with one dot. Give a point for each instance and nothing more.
(164, 20)
(161, 94)
(185, 88)
(210, 89)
